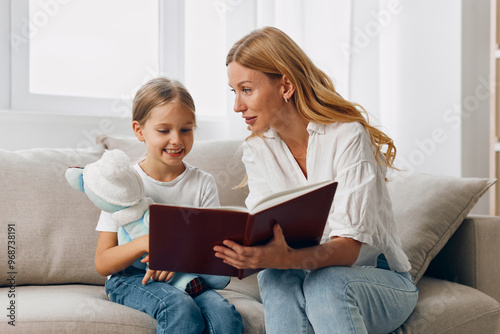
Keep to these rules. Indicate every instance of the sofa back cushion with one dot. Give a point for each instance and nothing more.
(52, 235)
(222, 159)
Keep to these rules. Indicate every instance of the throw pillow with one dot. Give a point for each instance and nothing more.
(428, 209)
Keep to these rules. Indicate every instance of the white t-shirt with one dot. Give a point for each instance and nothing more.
(193, 187)
(343, 152)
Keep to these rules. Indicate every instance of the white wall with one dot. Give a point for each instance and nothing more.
(475, 93)
(421, 80)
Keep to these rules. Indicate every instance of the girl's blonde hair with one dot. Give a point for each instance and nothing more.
(157, 92)
(271, 51)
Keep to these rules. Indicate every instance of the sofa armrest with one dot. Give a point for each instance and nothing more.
(472, 255)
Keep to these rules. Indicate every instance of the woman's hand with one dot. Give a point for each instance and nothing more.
(156, 275)
(274, 254)
(338, 251)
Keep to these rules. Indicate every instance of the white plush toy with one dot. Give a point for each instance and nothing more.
(114, 186)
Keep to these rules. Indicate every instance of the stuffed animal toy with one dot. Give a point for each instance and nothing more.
(114, 186)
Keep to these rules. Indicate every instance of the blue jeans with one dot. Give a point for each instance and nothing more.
(174, 310)
(336, 300)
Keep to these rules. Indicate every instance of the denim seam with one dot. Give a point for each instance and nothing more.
(210, 328)
(348, 310)
(305, 320)
(383, 285)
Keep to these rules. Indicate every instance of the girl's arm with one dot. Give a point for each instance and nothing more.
(111, 258)
(277, 254)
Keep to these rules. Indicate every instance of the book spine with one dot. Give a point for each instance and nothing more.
(248, 230)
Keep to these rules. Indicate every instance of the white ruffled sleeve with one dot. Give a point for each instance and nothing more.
(356, 206)
(359, 207)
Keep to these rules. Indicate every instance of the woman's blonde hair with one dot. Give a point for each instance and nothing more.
(157, 92)
(272, 52)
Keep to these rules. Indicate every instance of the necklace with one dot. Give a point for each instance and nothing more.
(299, 146)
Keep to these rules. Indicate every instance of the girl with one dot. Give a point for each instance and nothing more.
(303, 131)
(164, 119)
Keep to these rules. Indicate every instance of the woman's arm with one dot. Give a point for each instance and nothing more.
(277, 254)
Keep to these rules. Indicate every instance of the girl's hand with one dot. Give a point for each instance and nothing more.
(275, 254)
(156, 275)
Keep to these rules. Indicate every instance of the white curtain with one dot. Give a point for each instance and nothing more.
(318, 26)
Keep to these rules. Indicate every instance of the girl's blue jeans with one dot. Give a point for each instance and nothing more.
(340, 300)
(174, 310)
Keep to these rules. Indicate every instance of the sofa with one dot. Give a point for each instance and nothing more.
(49, 283)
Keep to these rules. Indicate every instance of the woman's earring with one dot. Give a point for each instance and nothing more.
(286, 100)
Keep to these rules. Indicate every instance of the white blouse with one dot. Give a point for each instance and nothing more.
(343, 152)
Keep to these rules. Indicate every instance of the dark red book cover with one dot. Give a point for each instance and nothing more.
(181, 239)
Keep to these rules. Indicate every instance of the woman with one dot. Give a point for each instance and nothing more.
(303, 131)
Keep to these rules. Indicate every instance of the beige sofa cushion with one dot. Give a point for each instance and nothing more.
(75, 308)
(451, 308)
(428, 209)
(55, 235)
(472, 255)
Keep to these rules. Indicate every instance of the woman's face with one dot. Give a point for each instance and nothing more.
(258, 98)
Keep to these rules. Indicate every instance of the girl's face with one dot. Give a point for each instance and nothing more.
(258, 98)
(168, 135)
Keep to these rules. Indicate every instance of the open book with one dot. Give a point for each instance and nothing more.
(182, 238)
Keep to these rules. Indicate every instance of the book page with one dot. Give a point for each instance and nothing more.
(268, 201)
(232, 208)
(229, 208)
(286, 195)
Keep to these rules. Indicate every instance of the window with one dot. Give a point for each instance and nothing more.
(89, 57)
(85, 52)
